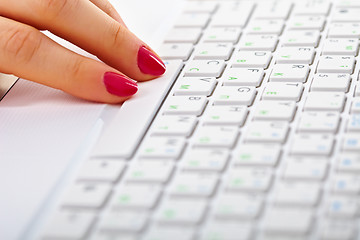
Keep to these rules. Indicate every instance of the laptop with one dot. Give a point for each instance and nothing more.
(253, 132)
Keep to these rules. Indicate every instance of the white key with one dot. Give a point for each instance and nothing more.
(189, 212)
(174, 126)
(170, 51)
(204, 68)
(101, 170)
(226, 231)
(346, 15)
(68, 225)
(225, 115)
(312, 144)
(170, 232)
(273, 10)
(233, 95)
(307, 23)
(183, 35)
(192, 20)
(351, 143)
(135, 196)
(339, 46)
(194, 185)
(150, 171)
(205, 160)
(311, 7)
(234, 14)
(306, 169)
(338, 229)
(325, 101)
(252, 59)
(355, 106)
(288, 221)
(320, 122)
(255, 179)
(295, 55)
(242, 77)
(222, 34)
(346, 184)
(275, 110)
(130, 221)
(86, 195)
(348, 162)
(215, 136)
(353, 124)
(336, 64)
(261, 42)
(213, 51)
(193, 105)
(162, 148)
(283, 91)
(347, 4)
(342, 207)
(331, 82)
(228, 207)
(290, 73)
(357, 91)
(249, 155)
(200, 7)
(267, 132)
(344, 30)
(301, 38)
(194, 86)
(297, 194)
(266, 27)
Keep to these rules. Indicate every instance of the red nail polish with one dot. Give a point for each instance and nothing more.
(119, 85)
(149, 63)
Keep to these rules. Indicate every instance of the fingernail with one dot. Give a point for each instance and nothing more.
(119, 85)
(149, 63)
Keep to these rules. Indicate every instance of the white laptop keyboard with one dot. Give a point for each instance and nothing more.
(259, 137)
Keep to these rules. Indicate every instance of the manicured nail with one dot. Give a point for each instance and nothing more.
(119, 85)
(149, 63)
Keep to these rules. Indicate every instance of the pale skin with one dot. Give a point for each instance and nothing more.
(93, 25)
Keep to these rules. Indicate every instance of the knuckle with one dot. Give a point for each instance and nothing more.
(52, 9)
(117, 34)
(74, 70)
(21, 44)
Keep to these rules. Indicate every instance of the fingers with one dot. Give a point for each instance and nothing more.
(81, 22)
(29, 54)
(108, 8)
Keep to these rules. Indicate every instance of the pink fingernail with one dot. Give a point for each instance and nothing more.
(149, 63)
(119, 85)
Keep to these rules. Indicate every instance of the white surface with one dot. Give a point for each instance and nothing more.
(42, 129)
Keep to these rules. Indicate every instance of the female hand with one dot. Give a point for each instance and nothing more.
(93, 25)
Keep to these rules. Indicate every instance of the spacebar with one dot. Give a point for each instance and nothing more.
(125, 132)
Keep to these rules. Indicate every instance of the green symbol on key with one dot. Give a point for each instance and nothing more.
(184, 86)
(278, 74)
(249, 43)
(204, 52)
(241, 60)
(224, 96)
(232, 78)
(288, 56)
(173, 106)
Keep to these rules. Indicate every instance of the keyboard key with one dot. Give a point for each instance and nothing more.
(355, 106)
(129, 221)
(181, 211)
(353, 124)
(351, 143)
(242, 77)
(170, 51)
(307, 23)
(267, 132)
(162, 148)
(346, 184)
(251, 59)
(348, 162)
(306, 169)
(222, 34)
(290, 73)
(232, 14)
(86, 195)
(193, 105)
(321, 122)
(101, 170)
(341, 207)
(194, 86)
(204, 68)
(325, 101)
(68, 225)
(300, 38)
(338, 46)
(183, 35)
(215, 136)
(227, 95)
(198, 159)
(273, 10)
(312, 8)
(150, 171)
(343, 15)
(134, 196)
(227, 231)
(249, 155)
(225, 115)
(266, 27)
(295, 55)
(213, 51)
(275, 110)
(283, 91)
(263, 42)
(344, 30)
(336, 64)
(170, 232)
(173, 126)
(337, 229)
(186, 20)
(312, 144)
(200, 7)
(331, 82)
